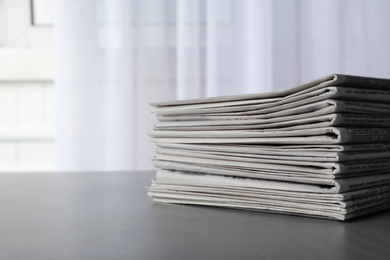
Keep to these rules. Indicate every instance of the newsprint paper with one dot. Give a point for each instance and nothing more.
(321, 149)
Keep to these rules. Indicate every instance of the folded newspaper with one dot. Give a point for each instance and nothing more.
(321, 149)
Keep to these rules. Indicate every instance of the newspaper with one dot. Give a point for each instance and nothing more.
(285, 124)
(324, 153)
(239, 160)
(318, 211)
(323, 135)
(312, 175)
(320, 112)
(321, 149)
(192, 188)
(283, 104)
(369, 84)
(323, 107)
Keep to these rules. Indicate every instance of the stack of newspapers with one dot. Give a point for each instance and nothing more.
(321, 149)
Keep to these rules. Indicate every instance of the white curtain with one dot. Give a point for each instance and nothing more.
(113, 57)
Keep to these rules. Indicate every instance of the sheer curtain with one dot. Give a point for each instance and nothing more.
(113, 57)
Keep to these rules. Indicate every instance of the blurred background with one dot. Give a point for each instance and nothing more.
(77, 77)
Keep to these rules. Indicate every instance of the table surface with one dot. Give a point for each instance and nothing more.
(107, 215)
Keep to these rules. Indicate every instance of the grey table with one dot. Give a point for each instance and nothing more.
(107, 215)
